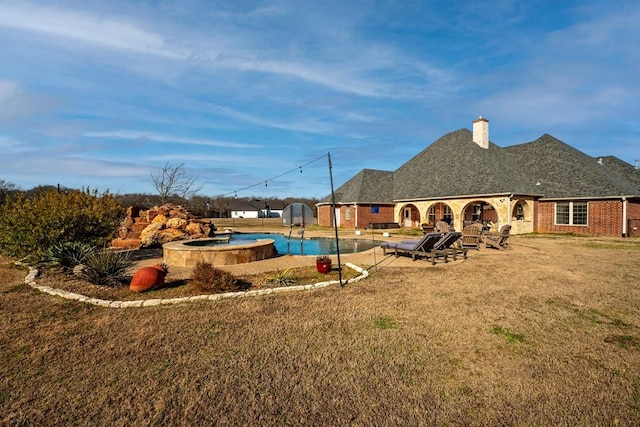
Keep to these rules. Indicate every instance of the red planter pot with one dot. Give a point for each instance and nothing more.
(323, 266)
(147, 278)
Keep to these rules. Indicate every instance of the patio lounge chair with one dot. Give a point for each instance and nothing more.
(446, 246)
(498, 240)
(471, 236)
(414, 247)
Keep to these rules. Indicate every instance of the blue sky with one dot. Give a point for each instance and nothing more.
(103, 93)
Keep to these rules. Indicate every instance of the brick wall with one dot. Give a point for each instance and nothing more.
(363, 214)
(633, 214)
(325, 216)
(605, 219)
(366, 217)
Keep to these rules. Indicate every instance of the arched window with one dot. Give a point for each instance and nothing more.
(440, 212)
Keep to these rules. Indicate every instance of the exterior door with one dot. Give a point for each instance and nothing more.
(337, 214)
(407, 217)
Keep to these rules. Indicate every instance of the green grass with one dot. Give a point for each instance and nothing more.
(623, 341)
(384, 323)
(510, 336)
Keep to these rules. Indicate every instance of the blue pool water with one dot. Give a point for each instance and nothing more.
(315, 246)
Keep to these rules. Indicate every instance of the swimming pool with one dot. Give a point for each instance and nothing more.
(313, 246)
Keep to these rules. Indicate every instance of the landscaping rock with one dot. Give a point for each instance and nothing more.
(159, 225)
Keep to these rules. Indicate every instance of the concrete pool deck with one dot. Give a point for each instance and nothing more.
(365, 259)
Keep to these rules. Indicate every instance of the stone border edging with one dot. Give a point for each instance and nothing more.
(33, 272)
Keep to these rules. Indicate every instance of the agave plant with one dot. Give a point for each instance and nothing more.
(68, 254)
(106, 267)
(282, 278)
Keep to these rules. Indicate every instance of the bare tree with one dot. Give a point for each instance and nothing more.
(173, 182)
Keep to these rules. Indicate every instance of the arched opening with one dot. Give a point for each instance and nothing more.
(409, 216)
(480, 211)
(440, 212)
(520, 210)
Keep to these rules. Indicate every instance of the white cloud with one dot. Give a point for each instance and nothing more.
(307, 125)
(357, 67)
(84, 27)
(165, 139)
(10, 144)
(17, 104)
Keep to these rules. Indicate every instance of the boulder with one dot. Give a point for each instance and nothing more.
(159, 225)
(160, 219)
(193, 228)
(177, 223)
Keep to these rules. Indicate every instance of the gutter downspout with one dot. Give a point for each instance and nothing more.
(355, 205)
(624, 217)
(509, 210)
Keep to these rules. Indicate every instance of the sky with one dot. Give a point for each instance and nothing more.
(252, 97)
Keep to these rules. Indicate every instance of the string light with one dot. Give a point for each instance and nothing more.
(297, 168)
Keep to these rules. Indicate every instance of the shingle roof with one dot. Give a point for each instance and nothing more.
(564, 172)
(456, 166)
(367, 186)
(623, 169)
(244, 205)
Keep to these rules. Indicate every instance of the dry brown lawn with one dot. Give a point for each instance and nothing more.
(547, 333)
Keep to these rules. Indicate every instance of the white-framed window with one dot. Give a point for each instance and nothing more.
(572, 213)
(438, 212)
(447, 214)
(347, 212)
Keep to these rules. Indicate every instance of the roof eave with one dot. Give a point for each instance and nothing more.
(465, 196)
(551, 199)
(356, 203)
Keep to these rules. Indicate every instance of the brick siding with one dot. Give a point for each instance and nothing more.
(366, 217)
(363, 214)
(605, 219)
(633, 215)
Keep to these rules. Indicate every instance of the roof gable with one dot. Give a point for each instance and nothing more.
(455, 165)
(367, 186)
(565, 172)
(623, 169)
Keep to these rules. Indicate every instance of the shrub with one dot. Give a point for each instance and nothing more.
(106, 267)
(32, 224)
(282, 278)
(206, 278)
(68, 254)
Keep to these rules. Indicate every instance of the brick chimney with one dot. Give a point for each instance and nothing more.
(481, 132)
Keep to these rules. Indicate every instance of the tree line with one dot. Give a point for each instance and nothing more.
(199, 205)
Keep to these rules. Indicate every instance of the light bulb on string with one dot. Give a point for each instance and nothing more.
(300, 169)
(265, 183)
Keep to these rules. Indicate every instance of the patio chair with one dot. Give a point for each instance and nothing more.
(498, 240)
(447, 246)
(442, 227)
(414, 247)
(428, 228)
(471, 236)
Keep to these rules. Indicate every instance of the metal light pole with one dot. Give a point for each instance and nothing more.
(335, 220)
